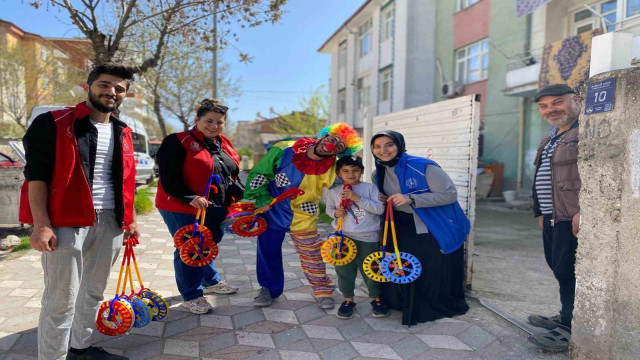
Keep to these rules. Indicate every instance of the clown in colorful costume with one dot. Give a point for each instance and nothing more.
(308, 164)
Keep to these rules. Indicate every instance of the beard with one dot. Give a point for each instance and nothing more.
(570, 117)
(317, 149)
(95, 102)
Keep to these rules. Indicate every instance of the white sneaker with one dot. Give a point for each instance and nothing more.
(198, 306)
(221, 288)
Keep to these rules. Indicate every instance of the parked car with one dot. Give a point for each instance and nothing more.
(7, 161)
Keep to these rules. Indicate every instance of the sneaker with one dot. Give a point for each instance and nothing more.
(555, 340)
(326, 303)
(264, 298)
(380, 310)
(220, 288)
(94, 353)
(346, 310)
(548, 323)
(198, 306)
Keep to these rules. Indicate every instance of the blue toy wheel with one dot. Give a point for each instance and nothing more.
(411, 268)
(141, 311)
(158, 307)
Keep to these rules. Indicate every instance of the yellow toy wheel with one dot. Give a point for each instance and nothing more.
(371, 267)
(334, 256)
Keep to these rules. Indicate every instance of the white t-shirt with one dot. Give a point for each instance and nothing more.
(102, 190)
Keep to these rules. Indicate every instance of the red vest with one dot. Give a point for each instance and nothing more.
(196, 170)
(70, 203)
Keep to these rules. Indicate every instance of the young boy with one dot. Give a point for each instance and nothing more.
(361, 224)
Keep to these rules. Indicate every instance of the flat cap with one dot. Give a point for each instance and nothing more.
(554, 90)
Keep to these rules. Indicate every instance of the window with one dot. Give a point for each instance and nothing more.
(342, 55)
(585, 20)
(387, 24)
(472, 62)
(633, 8)
(364, 38)
(463, 4)
(45, 82)
(139, 142)
(43, 53)
(385, 85)
(342, 101)
(363, 92)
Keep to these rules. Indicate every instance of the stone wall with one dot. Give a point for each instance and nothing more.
(10, 181)
(606, 322)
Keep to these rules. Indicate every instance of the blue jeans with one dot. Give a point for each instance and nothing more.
(189, 279)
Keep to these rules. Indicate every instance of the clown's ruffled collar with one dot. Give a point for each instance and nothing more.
(306, 165)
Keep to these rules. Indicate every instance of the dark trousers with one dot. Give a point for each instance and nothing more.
(560, 252)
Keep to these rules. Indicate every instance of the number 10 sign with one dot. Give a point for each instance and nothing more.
(600, 96)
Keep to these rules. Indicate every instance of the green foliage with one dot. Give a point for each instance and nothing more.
(24, 244)
(245, 152)
(323, 217)
(142, 202)
(309, 121)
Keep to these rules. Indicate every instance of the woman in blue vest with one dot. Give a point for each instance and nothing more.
(430, 225)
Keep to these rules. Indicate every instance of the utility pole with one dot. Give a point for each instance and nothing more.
(214, 60)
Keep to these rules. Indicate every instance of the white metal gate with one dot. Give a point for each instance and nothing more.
(446, 132)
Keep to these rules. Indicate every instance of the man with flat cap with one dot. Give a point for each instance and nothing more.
(555, 204)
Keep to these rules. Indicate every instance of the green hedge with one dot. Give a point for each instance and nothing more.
(142, 202)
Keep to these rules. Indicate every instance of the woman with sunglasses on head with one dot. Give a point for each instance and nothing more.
(430, 225)
(186, 160)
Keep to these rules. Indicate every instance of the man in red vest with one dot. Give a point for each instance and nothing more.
(78, 194)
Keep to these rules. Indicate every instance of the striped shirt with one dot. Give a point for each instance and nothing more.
(543, 176)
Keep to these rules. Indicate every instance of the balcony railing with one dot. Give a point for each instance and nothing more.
(519, 61)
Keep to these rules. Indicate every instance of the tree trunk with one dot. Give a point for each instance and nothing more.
(158, 112)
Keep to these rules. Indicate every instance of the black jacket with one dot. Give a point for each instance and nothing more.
(40, 151)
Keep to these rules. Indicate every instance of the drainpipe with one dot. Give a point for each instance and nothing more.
(520, 145)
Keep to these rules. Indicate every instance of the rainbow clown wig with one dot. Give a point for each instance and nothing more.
(348, 134)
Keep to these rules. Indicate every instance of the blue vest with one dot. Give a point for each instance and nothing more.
(447, 223)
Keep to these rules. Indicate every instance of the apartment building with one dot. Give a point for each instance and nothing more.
(382, 60)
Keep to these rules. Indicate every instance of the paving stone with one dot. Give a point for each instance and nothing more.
(322, 332)
(299, 296)
(375, 350)
(218, 343)
(241, 301)
(267, 327)
(321, 344)
(443, 342)
(247, 318)
(289, 336)
(145, 351)
(328, 320)
(232, 310)
(285, 316)
(409, 347)
(300, 345)
(23, 292)
(265, 354)
(7, 340)
(309, 313)
(476, 337)
(184, 348)
(199, 334)
(10, 284)
(154, 328)
(383, 337)
(217, 321)
(255, 339)
(354, 328)
(343, 351)
(182, 325)
(129, 341)
(289, 305)
(298, 355)
(446, 328)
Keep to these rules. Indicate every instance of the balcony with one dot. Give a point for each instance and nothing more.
(522, 75)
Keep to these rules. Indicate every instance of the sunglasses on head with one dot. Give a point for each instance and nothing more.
(220, 109)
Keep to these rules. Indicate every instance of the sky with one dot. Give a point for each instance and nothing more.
(286, 64)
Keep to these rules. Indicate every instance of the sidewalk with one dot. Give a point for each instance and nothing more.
(292, 328)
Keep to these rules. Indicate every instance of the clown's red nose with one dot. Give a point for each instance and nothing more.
(330, 146)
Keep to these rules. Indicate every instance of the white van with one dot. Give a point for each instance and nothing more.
(144, 162)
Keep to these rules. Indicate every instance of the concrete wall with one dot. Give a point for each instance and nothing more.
(420, 59)
(606, 323)
(10, 181)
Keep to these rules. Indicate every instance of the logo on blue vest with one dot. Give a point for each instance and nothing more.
(411, 183)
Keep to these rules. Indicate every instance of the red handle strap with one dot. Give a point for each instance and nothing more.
(291, 193)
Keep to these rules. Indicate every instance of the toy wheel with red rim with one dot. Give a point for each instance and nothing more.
(184, 234)
(120, 321)
(242, 226)
(332, 255)
(192, 255)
